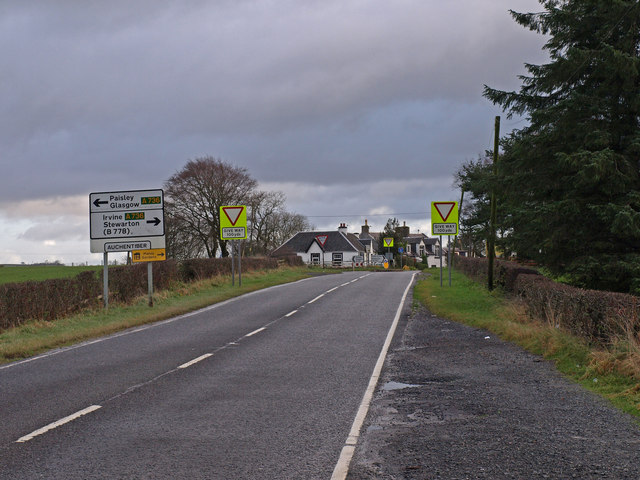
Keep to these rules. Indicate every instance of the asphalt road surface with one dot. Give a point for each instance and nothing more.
(456, 403)
(265, 386)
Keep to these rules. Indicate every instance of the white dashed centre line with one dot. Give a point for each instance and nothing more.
(58, 423)
(317, 298)
(196, 360)
(290, 313)
(255, 331)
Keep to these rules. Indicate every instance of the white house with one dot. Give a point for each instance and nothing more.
(335, 248)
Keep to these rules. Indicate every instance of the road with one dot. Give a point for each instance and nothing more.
(457, 403)
(263, 386)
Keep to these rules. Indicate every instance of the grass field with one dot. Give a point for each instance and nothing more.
(470, 303)
(10, 274)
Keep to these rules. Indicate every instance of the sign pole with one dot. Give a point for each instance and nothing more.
(440, 260)
(449, 257)
(240, 265)
(105, 280)
(150, 282)
(233, 266)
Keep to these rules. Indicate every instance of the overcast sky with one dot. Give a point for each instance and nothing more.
(354, 109)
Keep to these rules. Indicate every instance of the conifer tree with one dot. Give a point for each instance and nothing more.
(570, 180)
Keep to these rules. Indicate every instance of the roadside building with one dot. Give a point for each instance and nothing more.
(329, 248)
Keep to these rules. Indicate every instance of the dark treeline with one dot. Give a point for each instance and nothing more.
(568, 183)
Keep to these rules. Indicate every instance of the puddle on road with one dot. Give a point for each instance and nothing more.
(397, 386)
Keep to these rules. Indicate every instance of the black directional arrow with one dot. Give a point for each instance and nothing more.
(99, 202)
(156, 221)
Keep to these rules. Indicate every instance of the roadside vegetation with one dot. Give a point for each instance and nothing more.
(566, 183)
(37, 336)
(611, 370)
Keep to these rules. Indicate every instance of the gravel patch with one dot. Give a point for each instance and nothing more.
(455, 402)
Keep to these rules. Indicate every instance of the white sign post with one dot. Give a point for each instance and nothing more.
(125, 221)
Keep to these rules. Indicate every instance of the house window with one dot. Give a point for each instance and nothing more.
(315, 259)
(336, 259)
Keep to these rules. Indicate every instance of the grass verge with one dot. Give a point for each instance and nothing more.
(470, 303)
(38, 337)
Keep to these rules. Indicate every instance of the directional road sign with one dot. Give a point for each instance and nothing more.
(151, 255)
(127, 220)
(444, 218)
(233, 222)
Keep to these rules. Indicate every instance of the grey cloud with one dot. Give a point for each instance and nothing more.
(106, 95)
(56, 231)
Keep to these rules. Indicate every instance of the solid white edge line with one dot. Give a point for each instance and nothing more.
(342, 467)
(58, 423)
(196, 360)
(290, 313)
(255, 331)
(317, 298)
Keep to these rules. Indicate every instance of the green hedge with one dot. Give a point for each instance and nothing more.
(595, 315)
(47, 299)
(592, 314)
(504, 273)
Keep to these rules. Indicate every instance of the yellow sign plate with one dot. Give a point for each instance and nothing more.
(444, 218)
(388, 241)
(233, 222)
(151, 255)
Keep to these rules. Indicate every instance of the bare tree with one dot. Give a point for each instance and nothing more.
(288, 225)
(264, 207)
(193, 197)
(270, 224)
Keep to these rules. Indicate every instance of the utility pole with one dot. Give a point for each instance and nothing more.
(455, 239)
(491, 241)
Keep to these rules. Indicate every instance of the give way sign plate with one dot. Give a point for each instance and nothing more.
(233, 222)
(444, 218)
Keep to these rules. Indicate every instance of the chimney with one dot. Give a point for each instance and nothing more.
(403, 231)
(343, 228)
(365, 227)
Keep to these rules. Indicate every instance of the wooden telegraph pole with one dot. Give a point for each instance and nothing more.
(491, 241)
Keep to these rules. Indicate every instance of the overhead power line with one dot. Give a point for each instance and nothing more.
(368, 215)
